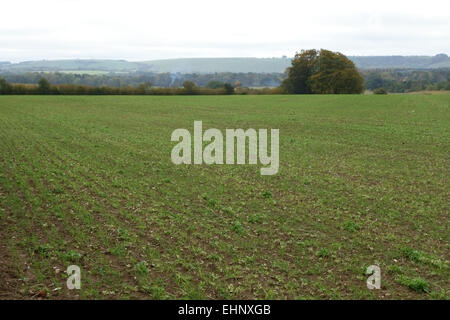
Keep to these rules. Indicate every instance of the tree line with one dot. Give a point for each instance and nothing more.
(43, 87)
(249, 80)
(403, 80)
(311, 72)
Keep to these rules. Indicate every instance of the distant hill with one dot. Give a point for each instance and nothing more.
(272, 65)
(75, 64)
(402, 62)
(212, 65)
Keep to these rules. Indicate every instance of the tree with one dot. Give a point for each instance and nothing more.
(5, 87)
(334, 73)
(229, 89)
(214, 84)
(43, 86)
(322, 72)
(300, 71)
(145, 87)
(189, 87)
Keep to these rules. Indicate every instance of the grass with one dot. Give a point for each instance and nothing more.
(417, 284)
(88, 181)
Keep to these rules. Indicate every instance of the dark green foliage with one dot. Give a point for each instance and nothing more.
(190, 87)
(323, 253)
(322, 72)
(214, 84)
(267, 194)
(229, 89)
(417, 284)
(300, 72)
(334, 73)
(351, 226)
(407, 80)
(43, 86)
(5, 87)
(379, 91)
(145, 87)
(237, 227)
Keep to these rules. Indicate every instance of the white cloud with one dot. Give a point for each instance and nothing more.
(145, 30)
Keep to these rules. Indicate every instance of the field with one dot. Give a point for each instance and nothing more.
(88, 180)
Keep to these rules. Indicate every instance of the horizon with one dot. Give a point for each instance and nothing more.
(204, 57)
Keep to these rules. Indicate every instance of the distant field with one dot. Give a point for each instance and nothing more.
(88, 180)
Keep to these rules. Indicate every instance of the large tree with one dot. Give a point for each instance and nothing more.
(322, 71)
(43, 86)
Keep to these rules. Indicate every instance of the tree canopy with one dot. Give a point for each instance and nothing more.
(323, 71)
(44, 86)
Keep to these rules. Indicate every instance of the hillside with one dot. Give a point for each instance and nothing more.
(212, 65)
(269, 65)
(74, 64)
(402, 62)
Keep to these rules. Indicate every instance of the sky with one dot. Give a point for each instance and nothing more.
(147, 30)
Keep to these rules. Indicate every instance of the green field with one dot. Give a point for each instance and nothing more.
(88, 180)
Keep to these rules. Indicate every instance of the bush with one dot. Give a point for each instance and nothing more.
(379, 91)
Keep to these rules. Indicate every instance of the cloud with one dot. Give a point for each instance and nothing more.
(143, 30)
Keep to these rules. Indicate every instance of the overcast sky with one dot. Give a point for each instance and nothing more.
(147, 30)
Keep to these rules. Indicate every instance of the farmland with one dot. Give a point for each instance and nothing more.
(88, 181)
